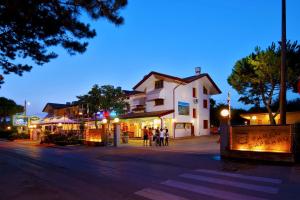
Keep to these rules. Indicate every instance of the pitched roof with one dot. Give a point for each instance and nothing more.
(58, 106)
(132, 92)
(146, 114)
(182, 80)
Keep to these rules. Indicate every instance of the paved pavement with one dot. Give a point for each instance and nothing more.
(30, 171)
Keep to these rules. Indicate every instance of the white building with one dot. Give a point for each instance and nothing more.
(180, 104)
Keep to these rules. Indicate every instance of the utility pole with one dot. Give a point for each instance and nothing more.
(283, 67)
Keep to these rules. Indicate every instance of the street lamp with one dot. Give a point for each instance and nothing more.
(224, 113)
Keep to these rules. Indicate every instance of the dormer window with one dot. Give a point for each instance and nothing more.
(159, 84)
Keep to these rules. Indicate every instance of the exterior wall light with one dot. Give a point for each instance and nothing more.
(8, 128)
(104, 121)
(116, 120)
(253, 117)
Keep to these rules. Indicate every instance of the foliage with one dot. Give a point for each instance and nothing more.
(257, 77)
(215, 116)
(62, 139)
(8, 108)
(106, 97)
(28, 29)
(292, 105)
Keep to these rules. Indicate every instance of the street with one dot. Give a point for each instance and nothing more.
(182, 171)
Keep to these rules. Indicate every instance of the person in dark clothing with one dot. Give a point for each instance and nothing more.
(166, 137)
(146, 137)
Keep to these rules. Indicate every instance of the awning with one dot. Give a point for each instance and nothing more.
(146, 114)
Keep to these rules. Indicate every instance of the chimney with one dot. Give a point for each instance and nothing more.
(198, 70)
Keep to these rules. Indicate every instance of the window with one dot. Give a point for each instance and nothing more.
(194, 113)
(205, 103)
(204, 90)
(159, 102)
(194, 92)
(205, 124)
(159, 84)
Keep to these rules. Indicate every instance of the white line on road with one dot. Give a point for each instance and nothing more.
(158, 195)
(266, 189)
(209, 191)
(241, 176)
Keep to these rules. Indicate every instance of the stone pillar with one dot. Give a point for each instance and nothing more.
(296, 141)
(225, 137)
(117, 131)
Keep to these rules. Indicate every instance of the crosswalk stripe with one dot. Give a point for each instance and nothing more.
(241, 176)
(266, 189)
(158, 195)
(209, 191)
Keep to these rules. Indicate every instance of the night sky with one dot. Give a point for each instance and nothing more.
(171, 37)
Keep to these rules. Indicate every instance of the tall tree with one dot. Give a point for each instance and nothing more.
(28, 29)
(107, 98)
(257, 76)
(8, 108)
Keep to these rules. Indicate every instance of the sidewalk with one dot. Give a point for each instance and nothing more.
(202, 144)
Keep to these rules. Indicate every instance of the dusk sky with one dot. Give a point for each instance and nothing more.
(171, 37)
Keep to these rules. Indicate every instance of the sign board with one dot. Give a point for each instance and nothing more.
(261, 138)
(20, 120)
(183, 108)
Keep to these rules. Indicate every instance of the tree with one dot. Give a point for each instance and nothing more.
(257, 77)
(28, 29)
(8, 108)
(106, 98)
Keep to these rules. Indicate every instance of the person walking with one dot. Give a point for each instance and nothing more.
(161, 137)
(146, 137)
(166, 137)
(150, 136)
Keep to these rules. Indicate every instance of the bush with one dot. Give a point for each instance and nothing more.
(62, 139)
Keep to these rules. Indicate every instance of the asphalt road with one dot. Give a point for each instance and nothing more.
(29, 171)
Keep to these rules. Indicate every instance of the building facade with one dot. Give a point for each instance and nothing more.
(179, 104)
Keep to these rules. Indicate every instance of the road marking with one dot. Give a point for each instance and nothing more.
(209, 191)
(241, 176)
(158, 195)
(266, 189)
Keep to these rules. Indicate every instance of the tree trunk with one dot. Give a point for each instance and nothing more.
(96, 124)
(272, 119)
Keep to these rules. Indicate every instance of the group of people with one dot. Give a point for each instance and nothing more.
(157, 137)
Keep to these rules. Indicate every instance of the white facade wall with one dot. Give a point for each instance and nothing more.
(182, 93)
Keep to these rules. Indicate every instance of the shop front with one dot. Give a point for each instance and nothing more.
(134, 123)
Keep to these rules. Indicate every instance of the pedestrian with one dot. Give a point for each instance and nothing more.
(161, 137)
(166, 137)
(150, 136)
(157, 136)
(146, 137)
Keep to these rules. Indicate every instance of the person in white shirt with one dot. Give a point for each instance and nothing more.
(161, 137)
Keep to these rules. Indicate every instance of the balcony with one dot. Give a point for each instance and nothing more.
(154, 94)
(139, 101)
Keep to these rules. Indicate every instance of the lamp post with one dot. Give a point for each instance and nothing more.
(283, 67)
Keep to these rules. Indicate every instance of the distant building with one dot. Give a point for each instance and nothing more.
(180, 104)
(263, 118)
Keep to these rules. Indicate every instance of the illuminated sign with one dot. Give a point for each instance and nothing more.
(261, 138)
(20, 120)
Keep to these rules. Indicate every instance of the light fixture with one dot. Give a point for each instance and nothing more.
(8, 128)
(59, 124)
(253, 117)
(104, 121)
(116, 120)
(224, 113)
